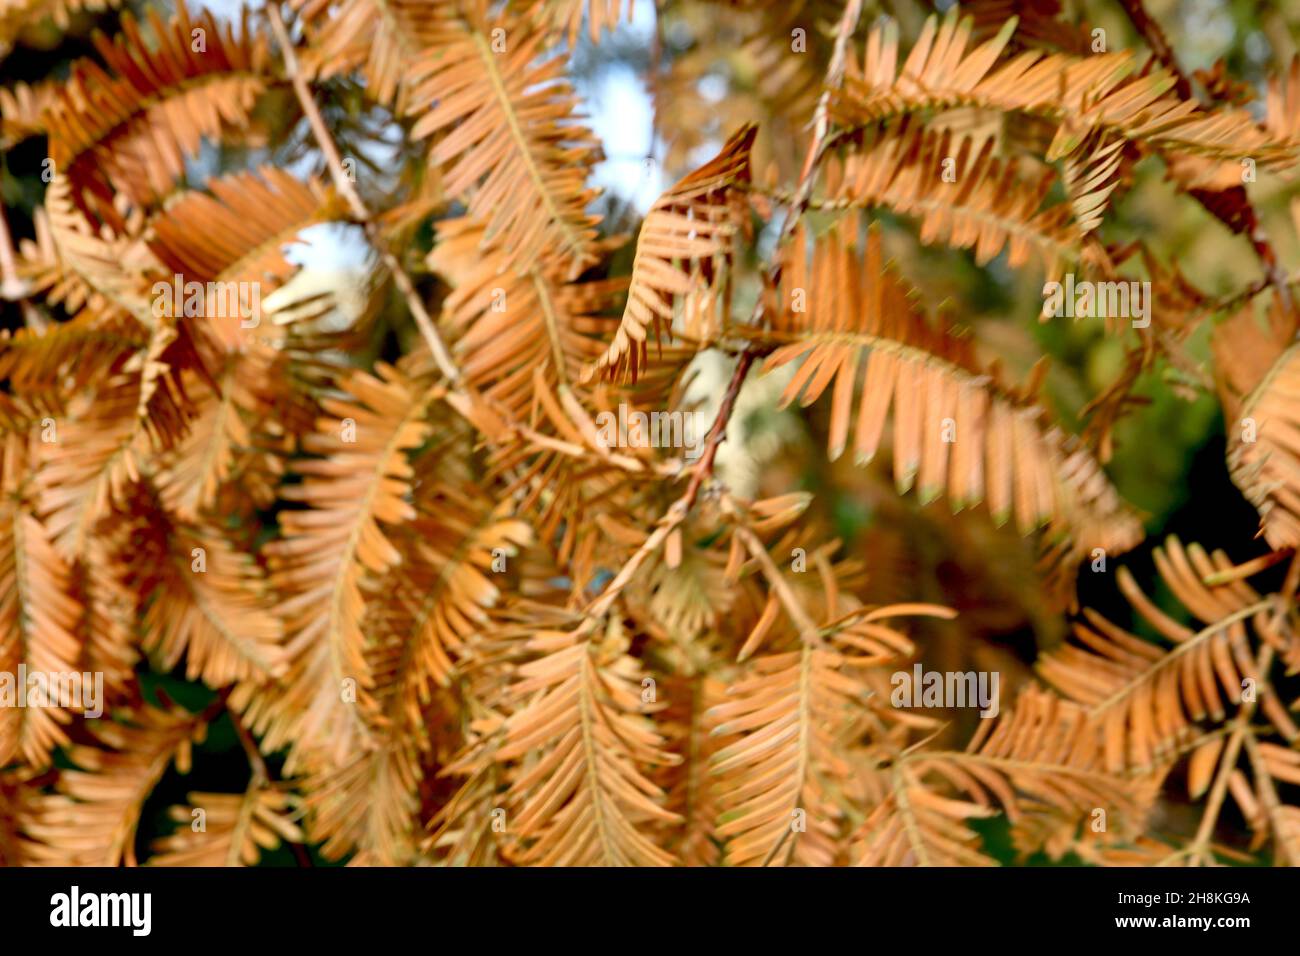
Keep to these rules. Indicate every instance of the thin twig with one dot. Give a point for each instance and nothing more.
(261, 775)
(718, 431)
(1200, 844)
(680, 508)
(809, 632)
(1268, 796)
(820, 142)
(441, 354)
(1240, 733)
(254, 754)
(1151, 31)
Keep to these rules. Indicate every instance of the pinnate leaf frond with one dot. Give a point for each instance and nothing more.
(39, 620)
(1147, 698)
(584, 796)
(129, 128)
(507, 140)
(1082, 93)
(236, 828)
(354, 488)
(956, 429)
(987, 204)
(1258, 372)
(1038, 758)
(91, 819)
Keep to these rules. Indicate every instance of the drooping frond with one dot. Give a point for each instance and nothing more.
(685, 246)
(506, 324)
(1146, 697)
(1083, 93)
(129, 129)
(100, 266)
(787, 712)
(367, 806)
(356, 484)
(956, 429)
(239, 225)
(442, 590)
(92, 818)
(99, 451)
(38, 624)
(208, 603)
(111, 622)
(1039, 758)
(507, 140)
(44, 272)
(1258, 375)
(83, 350)
(583, 747)
(692, 793)
(437, 598)
(230, 244)
(464, 831)
(229, 444)
(783, 778)
(781, 783)
(228, 829)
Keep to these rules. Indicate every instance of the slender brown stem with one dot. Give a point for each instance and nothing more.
(1200, 845)
(301, 855)
(209, 713)
(719, 429)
